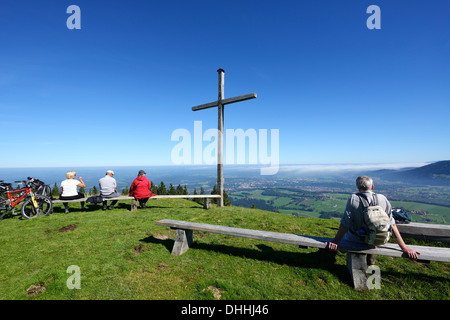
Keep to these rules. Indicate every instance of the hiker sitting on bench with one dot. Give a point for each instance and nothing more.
(368, 220)
(140, 189)
(108, 189)
(69, 190)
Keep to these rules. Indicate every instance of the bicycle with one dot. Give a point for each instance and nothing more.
(34, 204)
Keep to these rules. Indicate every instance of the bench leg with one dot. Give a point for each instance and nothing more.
(133, 205)
(207, 203)
(357, 265)
(183, 240)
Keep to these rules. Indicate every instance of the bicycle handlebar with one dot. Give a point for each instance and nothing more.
(29, 181)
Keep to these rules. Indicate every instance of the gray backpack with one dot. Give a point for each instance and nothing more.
(377, 222)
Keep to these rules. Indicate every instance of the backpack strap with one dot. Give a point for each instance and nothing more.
(363, 200)
(375, 199)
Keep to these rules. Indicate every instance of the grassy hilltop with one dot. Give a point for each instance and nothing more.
(124, 255)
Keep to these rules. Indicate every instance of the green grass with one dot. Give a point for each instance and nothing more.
(124, 255)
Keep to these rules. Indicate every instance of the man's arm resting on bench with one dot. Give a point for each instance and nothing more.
(332, 245)
(412, 254)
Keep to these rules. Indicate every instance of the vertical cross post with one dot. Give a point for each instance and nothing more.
(220, 103)
(220, 127)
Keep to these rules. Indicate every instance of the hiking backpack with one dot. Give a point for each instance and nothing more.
(377, 222)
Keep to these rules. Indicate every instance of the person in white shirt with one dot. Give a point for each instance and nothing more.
(69, 190)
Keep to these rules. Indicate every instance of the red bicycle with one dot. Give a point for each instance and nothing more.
(34, 204)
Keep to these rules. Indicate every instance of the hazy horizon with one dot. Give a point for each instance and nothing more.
(301, 166)
(190, 174)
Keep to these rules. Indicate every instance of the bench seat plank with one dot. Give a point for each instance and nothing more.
(426, 231)
(389, 249)
(202, 196)
(187, 196)
(246, 233)
(212, 196)
(64, 201)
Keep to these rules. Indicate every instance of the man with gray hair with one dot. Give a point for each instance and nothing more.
(352, 223)
(108, 189)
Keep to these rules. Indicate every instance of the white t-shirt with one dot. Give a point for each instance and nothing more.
(69, 187)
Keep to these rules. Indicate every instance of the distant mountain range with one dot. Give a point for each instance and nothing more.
(437, 173)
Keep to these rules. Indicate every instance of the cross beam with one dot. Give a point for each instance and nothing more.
(225, 101)
(220, 103)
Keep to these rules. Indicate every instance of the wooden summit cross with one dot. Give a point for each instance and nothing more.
(220, 103)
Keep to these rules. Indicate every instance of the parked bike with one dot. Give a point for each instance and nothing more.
(34, 201)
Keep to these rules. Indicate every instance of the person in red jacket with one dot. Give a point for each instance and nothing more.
(140, 189)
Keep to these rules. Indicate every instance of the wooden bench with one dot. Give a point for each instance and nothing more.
(206, 204)
(425, 231)
(356, 254)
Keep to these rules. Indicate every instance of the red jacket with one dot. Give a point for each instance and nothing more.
(140, 188)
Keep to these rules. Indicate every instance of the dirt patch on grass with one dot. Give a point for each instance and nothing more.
(141, 248)
(217, 293)
(36, 289)
(68, 228)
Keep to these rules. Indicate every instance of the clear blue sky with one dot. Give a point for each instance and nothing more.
(113, 92)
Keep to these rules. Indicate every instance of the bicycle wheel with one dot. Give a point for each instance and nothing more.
(45, 206)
